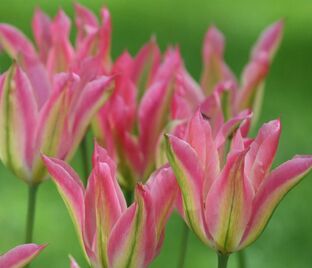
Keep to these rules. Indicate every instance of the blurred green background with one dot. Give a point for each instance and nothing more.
(287, 241)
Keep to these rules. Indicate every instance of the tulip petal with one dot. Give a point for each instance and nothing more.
(41, 25)
(273, 189)
(109, 206)
(21, 49)
(211, 110)
(199, 136)
(228, 129)
(73, 263)
(17, 119)
(262, 151)
(188, 95)
(155, 107)
(71, 190)
(15, 42)
(250, 94)
(269, 40)
(228, 205)
(215, 70)
(189, 174)
(86, 22)
(164, 189)
(52, 133)
(145, 66)
(89, 102)
(20, 256)
(132, 242)
(62, 52)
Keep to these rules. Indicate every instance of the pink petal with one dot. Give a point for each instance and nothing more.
(86, 22)
(269, 40)
(15, 42)
(190, 176)
(145, 66)
(273, 189)
(155, 107)
(164, 189)
(199, 136)
(87, 105)
(215, 70)
(62, 52)
(18, 118)
(20, 255)
(52, 133)
(228, 205)
(41, 25)
(73, 263)
(250, 94)
(230, 127)
(132, 242)
(262, 151)
(108, 206)
(21, 49)
(71, 190)
(212, 111)
(188, 95)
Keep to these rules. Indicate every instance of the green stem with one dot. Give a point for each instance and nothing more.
(183, 248)
(241, 259)
(32, 194)
(85, 158)
(222, 260)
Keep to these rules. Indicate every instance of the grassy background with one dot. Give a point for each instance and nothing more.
(287, 241)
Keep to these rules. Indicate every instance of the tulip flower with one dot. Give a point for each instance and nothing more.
(111, 234)
(142, 95)
(20, 256)
(55, 129)
(228, 205)
(236, 96)
(55, 52)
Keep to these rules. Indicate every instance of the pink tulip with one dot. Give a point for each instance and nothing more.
(20, 256)
(49, 97)
(55, 52)
(228, 205)
(111, 234)
(132, 122)
(55, 128)
(234, 97)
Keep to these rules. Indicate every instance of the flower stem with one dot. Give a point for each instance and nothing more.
(183, 248)
(241, 259)
(222, 260)
(85, 158)
(32, 194)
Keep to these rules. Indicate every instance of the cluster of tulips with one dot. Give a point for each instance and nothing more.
(162, 140)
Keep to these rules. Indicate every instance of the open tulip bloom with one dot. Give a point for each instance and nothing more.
(56, 128)
(20, 256)
(111, 234)
(143, 95)
(217, 78)
(228, 205)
